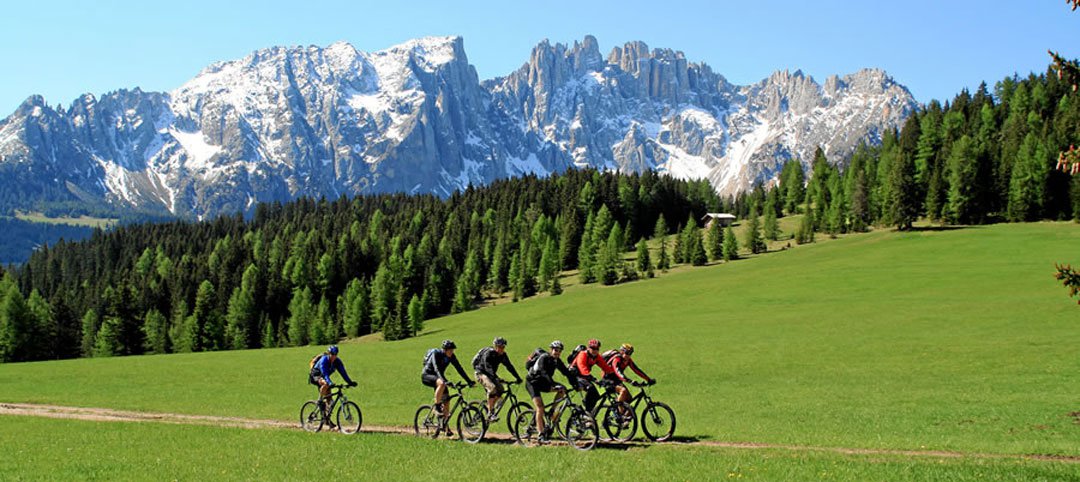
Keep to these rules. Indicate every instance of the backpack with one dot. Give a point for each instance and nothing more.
(608, 355)
(573, 355)
(479, 354)
(314, 359)
(536, 369)
(428, 356)
(531, 359)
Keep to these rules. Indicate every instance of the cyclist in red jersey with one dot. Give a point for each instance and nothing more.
(620, 361)
(583, 364)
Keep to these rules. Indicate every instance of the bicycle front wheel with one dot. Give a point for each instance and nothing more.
(524, 428)
(619, 421)
(658, 422)
(471, 424)
(425, 422)
(311, 417)
(580, 430)
(349, 418)
(515, 410)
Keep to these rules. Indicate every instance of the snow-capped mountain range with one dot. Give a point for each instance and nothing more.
(312, 121)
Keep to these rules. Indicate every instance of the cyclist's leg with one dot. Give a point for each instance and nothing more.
(591, 397)
(492, 389)
(441, 399)
(538, 404)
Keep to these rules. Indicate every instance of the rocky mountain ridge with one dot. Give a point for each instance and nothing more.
(329, 121)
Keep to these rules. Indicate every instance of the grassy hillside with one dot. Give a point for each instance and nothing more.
(935, 340)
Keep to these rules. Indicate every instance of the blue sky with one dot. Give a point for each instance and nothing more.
(61, 49)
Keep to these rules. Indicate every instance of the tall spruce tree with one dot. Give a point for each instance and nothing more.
(731, 245)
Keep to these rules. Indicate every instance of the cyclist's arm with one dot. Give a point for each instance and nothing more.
(340, 366)
(633, 366)
(461, 371)
(565, 371)
(510, 367)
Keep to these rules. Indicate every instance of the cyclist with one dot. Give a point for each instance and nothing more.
(583, 364)
(486, 363)
(620, 360)
(540, 379)
(322, 367)
(434, 374)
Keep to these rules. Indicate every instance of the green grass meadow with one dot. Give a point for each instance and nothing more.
(953, 340)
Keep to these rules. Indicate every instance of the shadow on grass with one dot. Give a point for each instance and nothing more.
(934, 229)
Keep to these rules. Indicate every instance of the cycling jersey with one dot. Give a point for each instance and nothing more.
(437, 362)
(619, 362)
(489, 361)
(325, 369)
(584, 362)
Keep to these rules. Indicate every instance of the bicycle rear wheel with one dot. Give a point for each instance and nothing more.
(349, 418)
(619, 421)
(471, 424)
(425, 422)
(311, 417)
(580, 430)
(658, 422)
(524, 428)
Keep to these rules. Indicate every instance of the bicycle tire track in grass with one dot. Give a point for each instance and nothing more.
(111, 415)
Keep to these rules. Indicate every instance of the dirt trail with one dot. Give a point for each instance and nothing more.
(110, 415)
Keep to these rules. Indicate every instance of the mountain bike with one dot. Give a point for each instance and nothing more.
(509, 399)
(314, 415)
(567, 418)
(657, 419)
(618, 419)
(471, 423)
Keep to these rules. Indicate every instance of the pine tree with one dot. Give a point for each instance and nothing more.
(963, 170)
(609, 260)
(587, 252)
(517, 275)
(556, 287)
(1027, 186)
(805, 233)
(90, 324)
(156, 329)
(731, 245)
(324, 330)
(696, 249)
(904, 200)
(663, 261)
(416, 315)
(16, 324)
(301, 312)
(355, 317)
(660, 230)
(677, 248)
(208, 323)
(644, 264)
(794, 185)
(107, 343)
(383, 289)
(242, 317)
(548, 264)
(714, 241)
(754, 241)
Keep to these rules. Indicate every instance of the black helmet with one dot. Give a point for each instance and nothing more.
(499, 341)
(332, 349)
(448, 345)
(556, 345)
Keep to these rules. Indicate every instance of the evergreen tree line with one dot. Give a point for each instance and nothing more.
(981, 158)
(313, 271)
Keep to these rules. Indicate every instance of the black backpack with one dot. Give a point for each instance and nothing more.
(608, 355)
(573, 355)
(535, 367)
(479, 354)
(531, 359)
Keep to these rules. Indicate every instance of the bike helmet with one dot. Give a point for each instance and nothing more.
(499, 341)
(448, 345)
(627, 348)
(556, 345)
(332, 349)
(594, 344)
